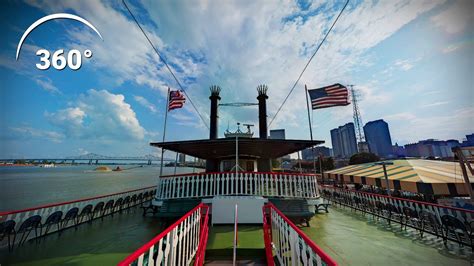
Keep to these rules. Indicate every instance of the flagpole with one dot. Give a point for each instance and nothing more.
(164, 130)
(310, 128)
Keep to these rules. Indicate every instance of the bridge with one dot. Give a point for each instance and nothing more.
(93, 158)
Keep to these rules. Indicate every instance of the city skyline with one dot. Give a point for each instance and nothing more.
(115, 103)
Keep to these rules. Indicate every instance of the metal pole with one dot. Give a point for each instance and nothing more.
(321, 167)
(236, 155)
(386, 179)
(235, 235)
(194, 165)
(175, 163)
(164, 130)
(299, 162)
(310, 128)
(462, 163)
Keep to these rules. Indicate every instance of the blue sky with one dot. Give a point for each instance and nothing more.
(412, 63)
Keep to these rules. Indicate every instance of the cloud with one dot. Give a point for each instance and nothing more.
(71, 120)
(457, 17)
(404, 116)
(264, 42)
(145, 103)
(454, 47)
(434, 104)
(99, 114)
(46, 84)
(406, 64)
(28, 132)
(459, 122)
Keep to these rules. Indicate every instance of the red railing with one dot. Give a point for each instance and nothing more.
(184, 241)
(51, 205)
(291, 245)
(72, 213)
(426, 217)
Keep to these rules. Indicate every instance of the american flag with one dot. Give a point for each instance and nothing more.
(334, 95)
(176, 101)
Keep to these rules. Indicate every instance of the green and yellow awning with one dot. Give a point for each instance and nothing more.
(424, 176)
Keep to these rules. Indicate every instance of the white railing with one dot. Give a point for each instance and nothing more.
(183, 243)
(290, 185)
(66, 214)
(285, 242)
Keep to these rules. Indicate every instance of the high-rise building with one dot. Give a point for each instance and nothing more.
(431, 148)
(343, 140)
(277, 134)
(378, 137)
(307, 154)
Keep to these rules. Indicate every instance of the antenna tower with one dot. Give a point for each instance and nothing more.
(357, 118)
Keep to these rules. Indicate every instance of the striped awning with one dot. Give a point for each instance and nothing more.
(424, 176)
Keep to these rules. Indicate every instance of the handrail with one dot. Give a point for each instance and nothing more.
(69, 202)
(240, 172)
(402, 199)
(235, 234)
(324, 257)
(201, 251)
(146, 247)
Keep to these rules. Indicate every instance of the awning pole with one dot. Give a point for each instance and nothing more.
(386, 179)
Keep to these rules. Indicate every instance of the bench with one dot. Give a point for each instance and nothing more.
(295, 210)
(176, 208)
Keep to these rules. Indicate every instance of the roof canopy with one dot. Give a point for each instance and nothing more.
(425, 176)
(248, 147)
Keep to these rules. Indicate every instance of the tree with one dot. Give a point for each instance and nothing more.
(363, 157)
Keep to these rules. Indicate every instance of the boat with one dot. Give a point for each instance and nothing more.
(238, 211)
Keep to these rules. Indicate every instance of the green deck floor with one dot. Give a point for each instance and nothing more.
(351, 239)
(104, 242)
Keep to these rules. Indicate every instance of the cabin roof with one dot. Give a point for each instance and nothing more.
(223, 148)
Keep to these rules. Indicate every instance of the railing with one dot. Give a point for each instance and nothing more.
(180, 244)
(290, 245)
(38, 221)
(243, 183)
(450, 223)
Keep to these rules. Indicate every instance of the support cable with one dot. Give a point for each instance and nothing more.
(166, 64)
(307, 64)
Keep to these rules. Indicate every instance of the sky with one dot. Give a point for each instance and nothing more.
(411, 63)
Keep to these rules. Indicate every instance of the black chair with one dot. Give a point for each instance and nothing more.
(126, 202)
(30, 224)
(86, 212)
(380, 208)
(53, 219)
(133, 200)
(429, 222)
(411, 216)
(98, 209)
(145, 196)
(140, 198)
(7, 228)
(117, 205)
(71, 215)
(108, 209)
(458, 229)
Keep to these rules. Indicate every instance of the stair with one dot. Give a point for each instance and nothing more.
(255, 262)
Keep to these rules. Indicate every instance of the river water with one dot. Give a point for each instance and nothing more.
(30, 186)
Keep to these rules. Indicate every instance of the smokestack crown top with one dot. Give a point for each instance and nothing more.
(262, 91)
(215, 90)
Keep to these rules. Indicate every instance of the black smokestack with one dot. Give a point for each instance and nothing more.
(215, 90)
(262, 110)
